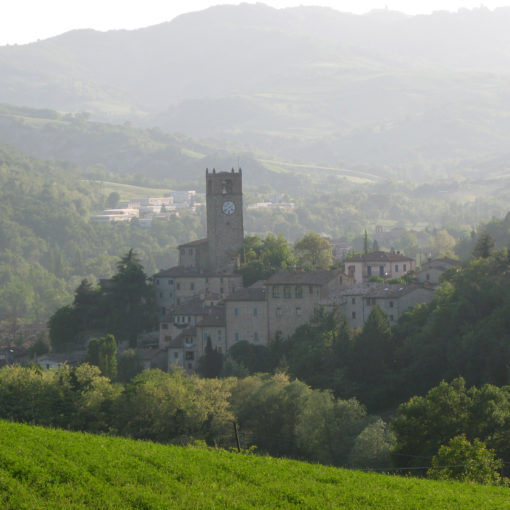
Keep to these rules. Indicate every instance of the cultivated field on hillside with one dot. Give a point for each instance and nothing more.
(44, 468)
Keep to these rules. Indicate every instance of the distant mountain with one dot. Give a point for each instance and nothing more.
(305, 84)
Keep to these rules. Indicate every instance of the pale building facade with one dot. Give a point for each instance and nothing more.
(379, 263)
(394, 300)
(292, 297)
(246, 316)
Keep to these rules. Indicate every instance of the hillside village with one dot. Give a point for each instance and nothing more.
(202, 299)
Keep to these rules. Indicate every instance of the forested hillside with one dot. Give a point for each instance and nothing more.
(48, 244)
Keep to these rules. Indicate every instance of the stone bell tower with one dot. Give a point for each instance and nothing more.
(225, 232)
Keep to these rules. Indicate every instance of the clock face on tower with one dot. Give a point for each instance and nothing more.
(228, 207)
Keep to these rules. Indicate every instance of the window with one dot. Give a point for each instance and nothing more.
(396, 268)
(256, 336)
(310, 289)
(157, 282)
(236, 336)
(255, 312)
(353, 315)
(391, 304)
(190, 251)
(190, 366)
(219, 334)
(178, 286)
(299, 311)
(286, 292)
(427, 277)
(221, 290)
(369, 270)
(299, 291)
(276, 291)
(192, 286)
(190, 355)
(176, 355)
(168, 338)
(370, 301)
(163, 310)
(170, 282)
(353, 300)
(278, 312)
(405, 268)
(381, 271)
(236, 312)
(164, 325)
(183, 251)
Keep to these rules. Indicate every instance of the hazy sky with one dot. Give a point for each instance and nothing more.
(23, 21)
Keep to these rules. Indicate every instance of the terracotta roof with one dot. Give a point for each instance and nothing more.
(303, 277)
(380, 256)
(382, 290)
(248, 294)
(186, 272)
(197, 242)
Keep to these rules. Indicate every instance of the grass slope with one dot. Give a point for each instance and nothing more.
(43, 468)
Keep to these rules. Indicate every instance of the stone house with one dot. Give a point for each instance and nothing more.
(379, 263)
(177, 285)
(431, 270)
(246, 316)
(189, 345)
(394, 300)
(292, 297)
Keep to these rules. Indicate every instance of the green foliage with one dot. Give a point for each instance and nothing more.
(102, 352)
(484, 246)
(254, 358)
(372, 448)
(467, 462)
(313, 252)
(175, 408)
(261, 258)
(40, 346)
(125, 306)
(129, 365)
(210, 364)
(424, 424)
(63, 329)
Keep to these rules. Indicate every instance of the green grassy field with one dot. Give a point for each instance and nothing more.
(44, 468)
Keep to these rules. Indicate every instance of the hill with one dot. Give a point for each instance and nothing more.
(306, 84)
(44, 468)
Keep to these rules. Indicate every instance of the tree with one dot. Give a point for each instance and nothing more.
(112, 201)
(262, 258)
(467, 462)
(372, 448)
(130, 300)
(63, 329)
(209, 365)
(372, 359)
(484, 246)
(129, 365)
(314, 252)
(102, 352)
